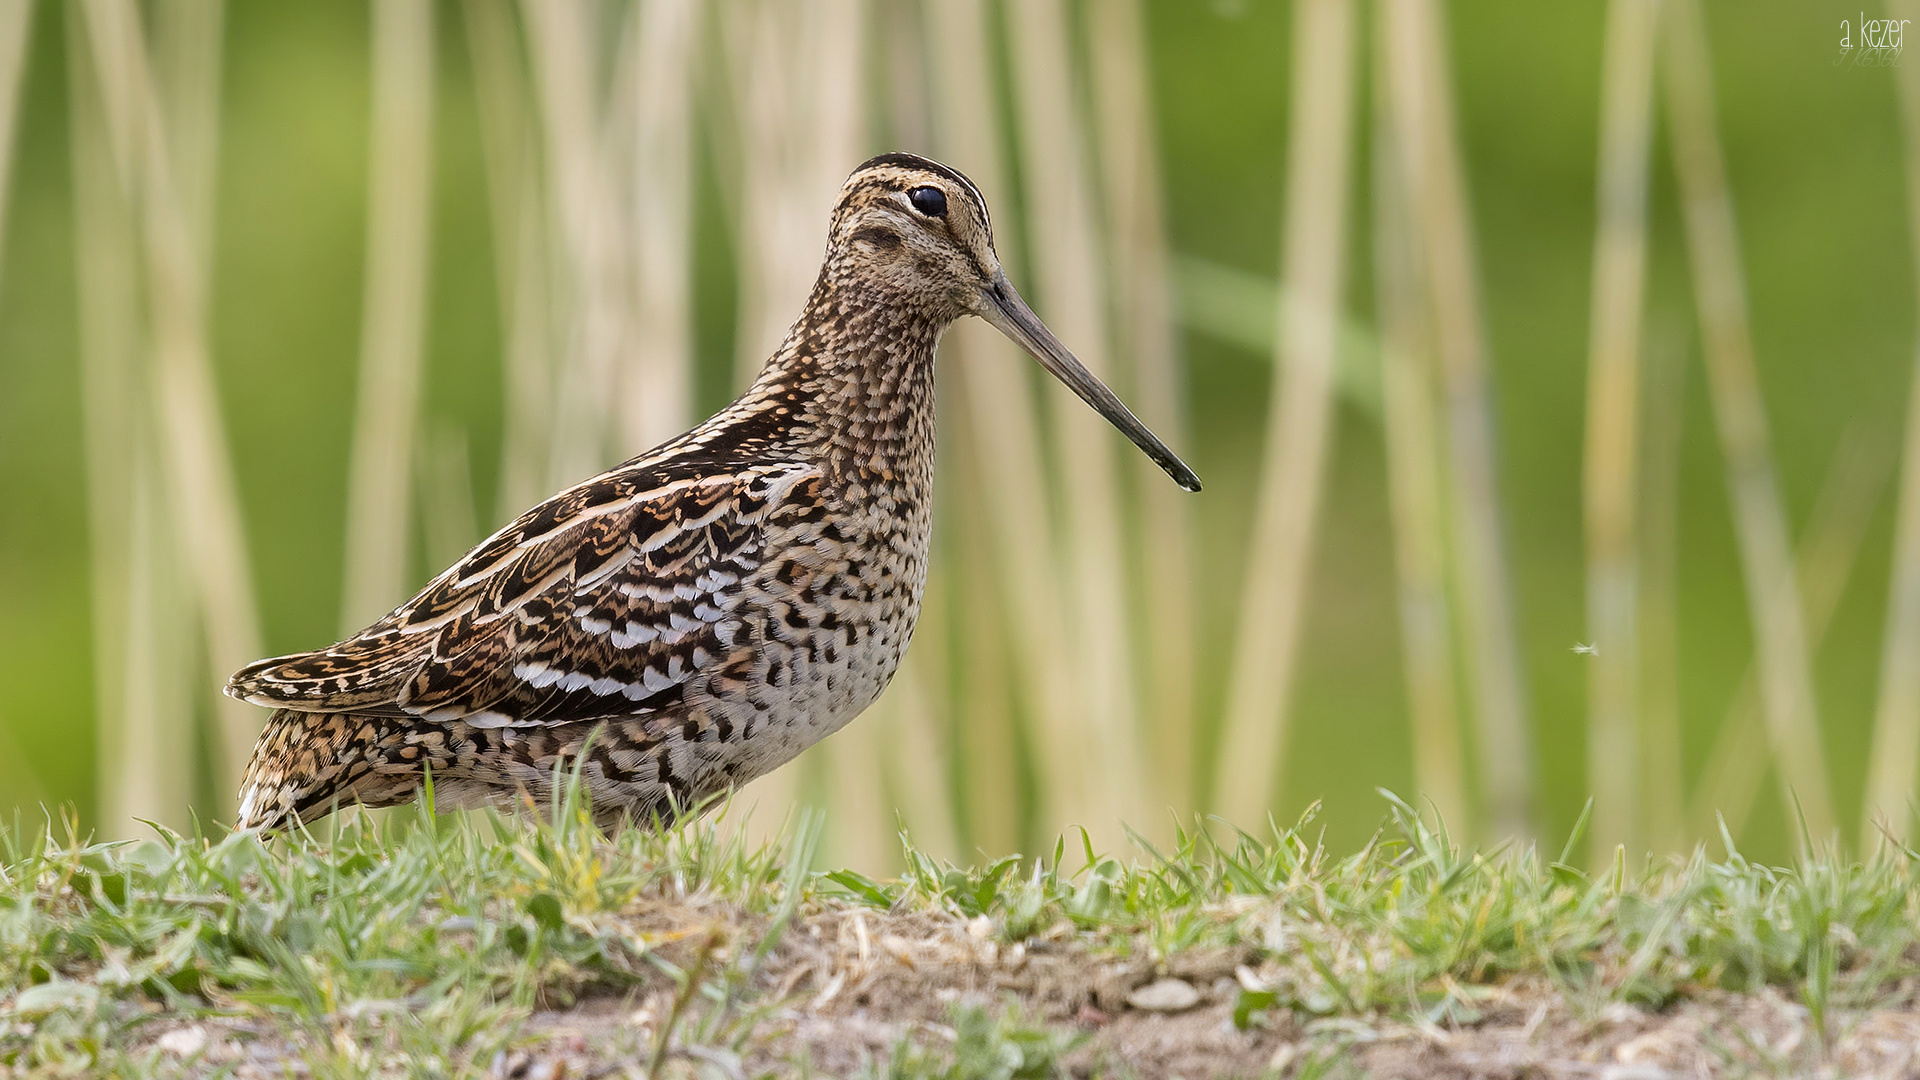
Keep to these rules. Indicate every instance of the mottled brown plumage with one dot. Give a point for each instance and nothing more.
(706, 610)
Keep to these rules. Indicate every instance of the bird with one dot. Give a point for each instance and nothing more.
(696, 616)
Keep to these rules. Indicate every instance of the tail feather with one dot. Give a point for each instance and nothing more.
(307, 763)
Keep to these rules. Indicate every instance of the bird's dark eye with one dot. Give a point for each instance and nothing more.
(930, 201)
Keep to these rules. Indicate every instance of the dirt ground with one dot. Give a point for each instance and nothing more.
(849, 986)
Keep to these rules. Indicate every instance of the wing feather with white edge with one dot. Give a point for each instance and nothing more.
(605, 600)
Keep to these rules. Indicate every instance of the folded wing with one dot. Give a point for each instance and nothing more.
(607, 600)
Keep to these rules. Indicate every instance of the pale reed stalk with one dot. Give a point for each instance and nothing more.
(1000, 440)
(982, 689)
(1664, 405)
(1614, 755)
(1415, 490)
(852, 761)
(143, 710)
(916, 739)
(563, 38)
(1143, 303)
(1889, 801)
(16, 18)
(656, 393)
(801, 110)
(393, 308)
(449, 523)
(801, 116)
(1760, 520)
(1273, 600)
(199, 481)
(187, 40)
(15, 21)
(1066, 269)
(517, 217)
(1436, 190)
(1829, 551)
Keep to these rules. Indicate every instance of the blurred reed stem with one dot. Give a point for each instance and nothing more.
(1415, 487)
(1829, 551)
(1614, 754)
(1060, 214)
(16, 19)
(801, 113)
(657, 381)
(1001, 442)
(198, 477)
(510, 148)
(1760, 520)
(979, 688)
(1148, 340)
(1889, 804)
(1435, 185)
(1663, 395)
(592, 282)
(143, 717)
(448, 520)
(1273, 600)
(393, 313)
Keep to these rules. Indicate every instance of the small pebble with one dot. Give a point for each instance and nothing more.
(183, 1042)
(1166, 995)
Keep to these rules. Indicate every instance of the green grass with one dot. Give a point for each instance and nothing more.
(426, 946)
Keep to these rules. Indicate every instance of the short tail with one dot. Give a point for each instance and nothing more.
(306, 764)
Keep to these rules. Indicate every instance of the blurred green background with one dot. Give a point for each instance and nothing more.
(1814, 156)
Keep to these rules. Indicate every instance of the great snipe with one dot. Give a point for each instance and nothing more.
(707, 610)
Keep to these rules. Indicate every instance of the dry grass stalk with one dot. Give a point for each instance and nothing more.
(1435, 185)
(1274, 600)
(1760, 521)
(200, 488)
(1829, 551)
(1410, 424)
(1895, 760)
(379, 507)
(1000, 437)
(1060, 216)
(1148, 339)
(1613, 376)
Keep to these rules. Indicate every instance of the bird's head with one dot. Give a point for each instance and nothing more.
(917, 232)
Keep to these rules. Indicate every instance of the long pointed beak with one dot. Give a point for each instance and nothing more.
(1010, 315)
